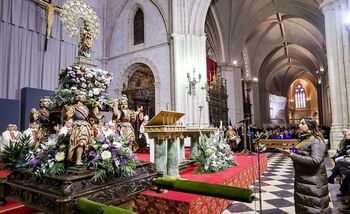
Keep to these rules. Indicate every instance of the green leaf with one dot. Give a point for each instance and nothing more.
(57, 169)
(99, 175)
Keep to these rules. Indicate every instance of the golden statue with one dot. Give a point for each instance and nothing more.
(75, 11)
(85, 43)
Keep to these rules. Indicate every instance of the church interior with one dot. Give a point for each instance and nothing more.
(149, 106)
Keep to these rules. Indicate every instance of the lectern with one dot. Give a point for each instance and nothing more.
(166, 133)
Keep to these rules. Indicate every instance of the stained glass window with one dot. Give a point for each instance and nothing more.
(300, 101)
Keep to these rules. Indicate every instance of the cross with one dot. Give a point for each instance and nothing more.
(51, 8)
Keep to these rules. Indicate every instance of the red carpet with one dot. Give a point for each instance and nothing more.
(13, 207)
(242, 175)
(144, 156)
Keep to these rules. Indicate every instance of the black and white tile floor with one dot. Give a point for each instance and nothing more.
(277, 185)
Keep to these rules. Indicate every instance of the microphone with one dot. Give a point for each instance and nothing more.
(241, 121)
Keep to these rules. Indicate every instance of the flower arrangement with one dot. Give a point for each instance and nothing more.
(93, 81)
(111, 156)
(216, 155)
(49, 157)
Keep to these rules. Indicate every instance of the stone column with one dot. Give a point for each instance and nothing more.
(189, 54)
(182, 149)
(234, 91)
(173, 158)
(337, 40)
(161, 155)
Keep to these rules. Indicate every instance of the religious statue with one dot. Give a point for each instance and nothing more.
(44, 105)
(32, 133)
(85, 43)
(123, 118)
(73, 13)
(41, 118)
(81, 131)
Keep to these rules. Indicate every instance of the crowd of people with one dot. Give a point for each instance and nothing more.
(234, 135)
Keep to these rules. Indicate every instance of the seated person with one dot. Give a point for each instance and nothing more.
(8, 136)
(286, 135)
(231, 138)
(344, 144)
(344, 187)
(340, 168)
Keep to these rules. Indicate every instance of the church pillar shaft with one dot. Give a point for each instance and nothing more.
(337, 41)
(234, 91)
(189, 54)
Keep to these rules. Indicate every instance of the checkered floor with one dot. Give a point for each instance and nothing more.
(277, 185)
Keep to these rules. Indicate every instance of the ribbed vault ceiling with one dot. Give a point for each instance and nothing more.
(284, 39)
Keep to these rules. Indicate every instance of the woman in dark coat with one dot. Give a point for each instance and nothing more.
(310, 179)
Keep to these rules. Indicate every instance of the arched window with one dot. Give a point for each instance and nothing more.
(139, 28)
(300, 97)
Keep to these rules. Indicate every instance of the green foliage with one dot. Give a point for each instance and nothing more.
(14, 154)
(57, 169)
(99, 175)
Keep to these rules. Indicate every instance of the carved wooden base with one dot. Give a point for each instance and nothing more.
(58, 194)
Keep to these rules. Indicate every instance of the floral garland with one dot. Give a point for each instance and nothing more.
(215, 155)
(93, 81)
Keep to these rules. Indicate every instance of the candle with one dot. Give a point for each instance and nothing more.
(220, 124)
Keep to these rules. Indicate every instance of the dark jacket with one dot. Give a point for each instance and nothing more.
(310, 184)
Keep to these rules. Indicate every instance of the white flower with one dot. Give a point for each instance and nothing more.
(60, 156)
(51, 163)
(96, 91)
(105, 146)
(117, 144)
(52, 140)
(106, 155)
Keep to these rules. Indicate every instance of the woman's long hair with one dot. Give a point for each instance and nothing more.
(313, 128)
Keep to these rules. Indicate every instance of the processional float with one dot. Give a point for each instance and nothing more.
(76, 185)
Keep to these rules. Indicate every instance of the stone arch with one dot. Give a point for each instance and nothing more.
(130, 67)
(198, 16)
(215, 36)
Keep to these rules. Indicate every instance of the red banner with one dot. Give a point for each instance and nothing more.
(211, 69)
